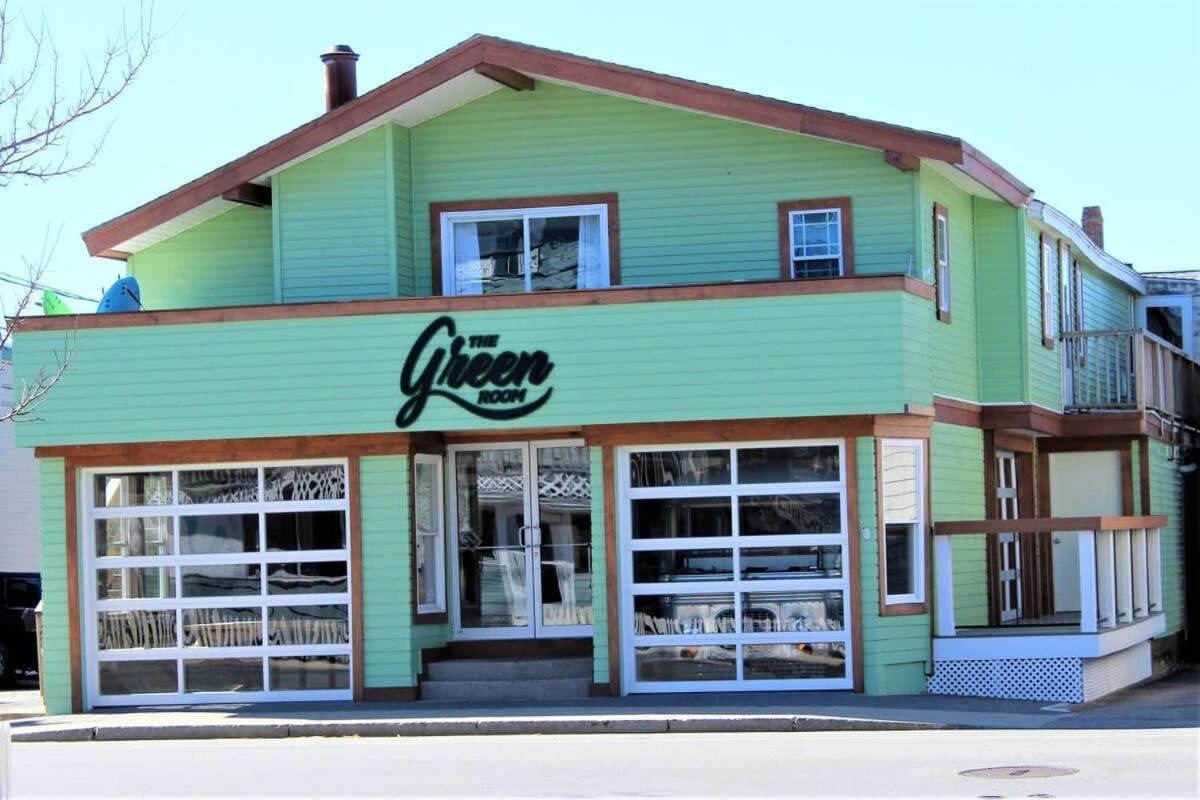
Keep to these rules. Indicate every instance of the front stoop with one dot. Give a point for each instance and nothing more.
(482, 680)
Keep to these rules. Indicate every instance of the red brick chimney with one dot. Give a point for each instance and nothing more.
(1093, 225)
(341, 80)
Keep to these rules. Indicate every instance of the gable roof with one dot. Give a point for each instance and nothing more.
(491, 57)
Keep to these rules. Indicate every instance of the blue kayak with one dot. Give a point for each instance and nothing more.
(124, 295)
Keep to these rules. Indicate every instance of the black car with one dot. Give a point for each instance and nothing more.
(19, 596)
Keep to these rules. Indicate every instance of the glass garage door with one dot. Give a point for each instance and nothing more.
(215, 583)
(735, 571)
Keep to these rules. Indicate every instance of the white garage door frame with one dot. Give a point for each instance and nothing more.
(629, 641)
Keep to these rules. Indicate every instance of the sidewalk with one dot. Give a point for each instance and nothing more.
(1168, 703)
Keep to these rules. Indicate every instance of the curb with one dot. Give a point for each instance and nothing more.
(487, 726)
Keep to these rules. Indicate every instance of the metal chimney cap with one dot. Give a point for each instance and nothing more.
(339, 51)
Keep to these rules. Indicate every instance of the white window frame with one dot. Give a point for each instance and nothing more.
(1184, 302)
(920, 578)
(1066, 294)
(437, 537)
(1047, 270)
(88, 514)
(448, 218)
(628, 589)
(793, 258)
(941, 234)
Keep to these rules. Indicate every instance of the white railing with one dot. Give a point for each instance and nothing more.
(1119, 575)
(1129, 369)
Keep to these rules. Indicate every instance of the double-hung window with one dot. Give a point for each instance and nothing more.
(815, 238)
(430, 530)
(941, 257)
(1047, 271)
(513, 250)
(902, 514)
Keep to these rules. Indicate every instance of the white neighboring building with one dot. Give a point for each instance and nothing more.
(20, 549)
(1171, 308)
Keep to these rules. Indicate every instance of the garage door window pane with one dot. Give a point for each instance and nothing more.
(135, 630)
(133, 489)
(306, 530)
(793, 661)
(135, 583)
(679, 468)
(784, 515)
(134, 536)
(787, 563)
(299, 625)
(676, 614)
(222, 627)
(800, 464)
(791, 612)
(218, 533)
(670, 566)
(222, 580)
(309, 673)
(223, 675)
(138, 677)
(706, 662)
(310, 577)
(682, 517)
(218, 486)
(320, 482)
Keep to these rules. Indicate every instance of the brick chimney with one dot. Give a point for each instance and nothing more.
(1093, 225)
(341, 80)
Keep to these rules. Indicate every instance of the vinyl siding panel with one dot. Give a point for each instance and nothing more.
(401, 151)
(895, 649)
(388, 646)
(1045, 380)
(600, 619)
(694, 360)
(335, 228)
(697, 195)
(1106, 302)
(958, 494)
(1000, 301)
(56, 638)
(954, 355)
(224, 261)
(1166, 497)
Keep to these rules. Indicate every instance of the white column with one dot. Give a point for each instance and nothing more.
(943, 575)
(1087, 581)
(1123, 555)
(1106, 596)
(1154, 571)
(1141, 584)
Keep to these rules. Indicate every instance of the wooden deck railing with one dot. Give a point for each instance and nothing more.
(1119, 568)
(1129, 369)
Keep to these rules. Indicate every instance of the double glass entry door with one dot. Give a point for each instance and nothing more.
(521, 522)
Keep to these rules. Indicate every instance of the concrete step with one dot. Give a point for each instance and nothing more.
(509, 669)
(501, 690)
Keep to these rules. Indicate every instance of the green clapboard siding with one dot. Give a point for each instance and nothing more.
(56, 638)
(954, 353)
(224, 261)
(896, 649)
(401, 155)
(1045, 380)
(706, 359)
(1166, 497)
(388, 645)
(698, 195)
(599, 571)
(957, 484)
(1106, 302)
(1000, 301)
(336, 223)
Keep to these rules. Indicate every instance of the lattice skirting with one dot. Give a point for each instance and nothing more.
(1057, 680)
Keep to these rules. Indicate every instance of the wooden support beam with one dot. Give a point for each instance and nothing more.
(251, 194)
(905, 162)
(517, 81)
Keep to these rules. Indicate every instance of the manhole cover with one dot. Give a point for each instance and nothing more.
(1018, 772)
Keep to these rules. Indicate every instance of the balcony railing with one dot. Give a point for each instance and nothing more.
(1129, 370)
(1059, 575)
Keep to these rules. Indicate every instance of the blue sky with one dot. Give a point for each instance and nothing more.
(1088, 102)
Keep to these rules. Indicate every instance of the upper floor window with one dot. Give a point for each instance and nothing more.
(941, 260)
(815, 238)
(1047, 276)
(534, 247)
(1169, 317)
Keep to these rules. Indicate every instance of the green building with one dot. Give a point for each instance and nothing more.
(526, 376)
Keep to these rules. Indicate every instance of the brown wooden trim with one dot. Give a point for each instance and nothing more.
(784, 211)
(1144, 469)
(510, 435)
(905, 162)
(1082, 444)
(74, 605)
(434, 617)
(615, 295)
(1127, 482)
(506, 77)
(902, 426)
(601, 690)
(390, 694)
(430, 655)
(1043, 484)
(1044, 524)
(250, 194)
(1016, 442)
(623, 434)
(940, 210)
(990, 503)
(200, 450)
(612, 569)
(641, 84)
(850, 469)
(522, 648)
(901, 609)
(356, 581)
(608, 199)
(957, 412)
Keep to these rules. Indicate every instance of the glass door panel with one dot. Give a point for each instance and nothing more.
(564, 552)
(491, 535)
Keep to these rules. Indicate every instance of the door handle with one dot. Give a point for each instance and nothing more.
(532, 541)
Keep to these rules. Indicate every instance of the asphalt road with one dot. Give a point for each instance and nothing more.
(1110, 763)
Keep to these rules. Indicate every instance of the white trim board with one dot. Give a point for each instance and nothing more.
(1066, 645)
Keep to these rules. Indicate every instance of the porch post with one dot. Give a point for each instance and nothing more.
(1141, 606)
(943, 570)
(1106, 580)
(1087, 581)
